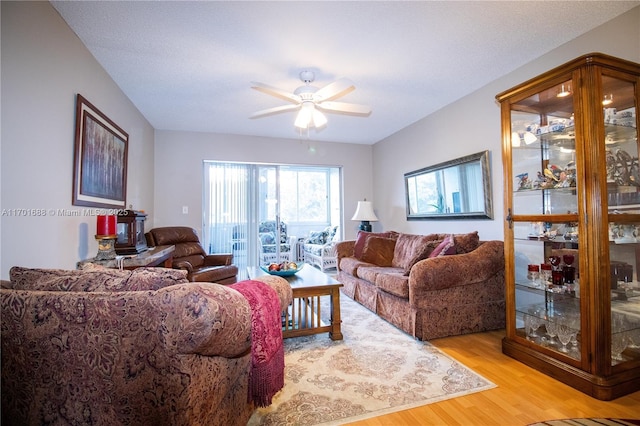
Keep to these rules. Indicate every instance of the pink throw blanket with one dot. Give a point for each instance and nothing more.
(267, 348)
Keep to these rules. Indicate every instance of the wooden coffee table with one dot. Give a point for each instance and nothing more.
(303, 317)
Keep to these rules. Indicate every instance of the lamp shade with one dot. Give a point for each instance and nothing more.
(364, 212)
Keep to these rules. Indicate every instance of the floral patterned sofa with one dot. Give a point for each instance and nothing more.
(117, 347)
(319, 248)
(430, 286)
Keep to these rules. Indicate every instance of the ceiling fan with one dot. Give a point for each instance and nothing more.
(311, 101)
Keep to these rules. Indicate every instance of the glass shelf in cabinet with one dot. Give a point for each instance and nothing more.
(619, 134)
(568, 190)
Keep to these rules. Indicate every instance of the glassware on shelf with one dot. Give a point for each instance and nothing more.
(533, 275)
(552, 329)
(618, 345)
(545, 274)
(566, 330)
(634, 338)
(532, 322)
(557, 274)
(568, 269)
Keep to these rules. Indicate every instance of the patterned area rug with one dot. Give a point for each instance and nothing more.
(589, 422)
(376, 369)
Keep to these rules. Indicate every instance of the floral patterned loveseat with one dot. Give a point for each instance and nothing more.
(114, 347)
(430, 286)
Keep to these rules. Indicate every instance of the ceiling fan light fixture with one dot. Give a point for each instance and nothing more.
(305, 115)
(311, 101)
(319, 119)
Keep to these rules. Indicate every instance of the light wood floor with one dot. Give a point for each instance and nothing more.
(523, 395)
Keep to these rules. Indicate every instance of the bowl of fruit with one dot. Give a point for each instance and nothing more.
(282, 269)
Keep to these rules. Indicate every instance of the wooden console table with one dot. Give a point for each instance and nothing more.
(155, 256)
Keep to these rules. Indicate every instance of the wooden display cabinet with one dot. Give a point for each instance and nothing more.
(572, 198)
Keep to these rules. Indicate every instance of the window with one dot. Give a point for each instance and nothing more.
(238, 197)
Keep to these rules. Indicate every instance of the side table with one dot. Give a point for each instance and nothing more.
(155, 256)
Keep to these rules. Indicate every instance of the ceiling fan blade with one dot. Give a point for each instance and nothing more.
(334, 90)
(274, 110)
(343, 107)
(274, 91)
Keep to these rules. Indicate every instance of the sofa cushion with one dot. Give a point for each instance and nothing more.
(95, 280)
(317, 237)
(394, 281)
(362, 237)
(332, 233)
(350, 265)
(370, 272)
(445, 248)
(379, 251)
(410, 247)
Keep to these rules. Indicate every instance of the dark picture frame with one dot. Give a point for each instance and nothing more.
(100, 159)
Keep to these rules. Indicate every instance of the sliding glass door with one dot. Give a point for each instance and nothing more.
(259, 212)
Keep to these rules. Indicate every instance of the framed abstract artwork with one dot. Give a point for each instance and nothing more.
(100, 159)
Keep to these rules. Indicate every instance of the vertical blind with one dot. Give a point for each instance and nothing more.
(227, 202)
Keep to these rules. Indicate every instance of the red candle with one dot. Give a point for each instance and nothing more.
(106, 225)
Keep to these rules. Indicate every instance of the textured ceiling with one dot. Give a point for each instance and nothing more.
(188, 65)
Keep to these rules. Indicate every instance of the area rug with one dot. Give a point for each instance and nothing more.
(376, 369)
(589, 422)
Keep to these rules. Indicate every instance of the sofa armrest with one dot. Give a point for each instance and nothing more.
(344, 249)
(218, 259)
(206, 319)
(183, 264)
(457, 270)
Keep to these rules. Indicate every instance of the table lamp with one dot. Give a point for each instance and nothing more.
(106, 237)
(364, 213)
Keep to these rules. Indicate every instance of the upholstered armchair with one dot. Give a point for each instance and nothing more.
(267, 247)
(190, 256)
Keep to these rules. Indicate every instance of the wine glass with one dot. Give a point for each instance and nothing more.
(565, 331)
(552, 328)
(618, 345)
(532, 322)
(634, 338)
(555, 261)
(568, 259)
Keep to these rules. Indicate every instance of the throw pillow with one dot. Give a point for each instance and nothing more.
(466, 243)
(361, 239)
(267, 238)
(379, 251)
(427, 249)
(317, 237)
(408, 247)
(446, 247)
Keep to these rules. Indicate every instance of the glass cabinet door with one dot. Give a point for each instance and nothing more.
(623, 197)
(547, 278)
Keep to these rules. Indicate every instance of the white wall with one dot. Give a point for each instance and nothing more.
(179, 160)
(472, 124)
(44, 66)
